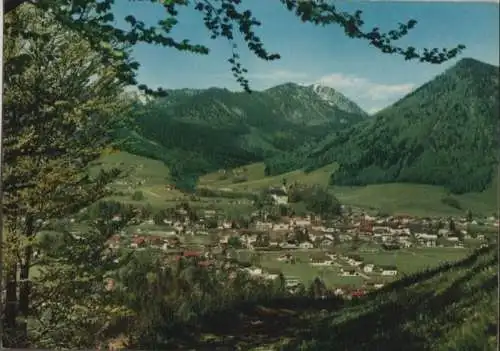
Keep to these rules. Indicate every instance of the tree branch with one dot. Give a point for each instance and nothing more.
(9, 5)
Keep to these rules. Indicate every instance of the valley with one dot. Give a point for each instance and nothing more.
(236, 191)
(325, 190)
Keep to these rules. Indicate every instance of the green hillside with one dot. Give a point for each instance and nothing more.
(199, 131)
(140, 174)
(415, 199)
(452, 307)
(444, 133)
(449, 307)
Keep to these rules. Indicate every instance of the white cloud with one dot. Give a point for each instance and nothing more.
(362, 88)
(278, 76)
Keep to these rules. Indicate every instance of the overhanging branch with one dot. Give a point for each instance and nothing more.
(9, 5)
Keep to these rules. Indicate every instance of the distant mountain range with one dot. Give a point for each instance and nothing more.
(443, 133)
(198, 131)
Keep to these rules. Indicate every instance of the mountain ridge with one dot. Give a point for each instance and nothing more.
(439, 134)
(196, 131)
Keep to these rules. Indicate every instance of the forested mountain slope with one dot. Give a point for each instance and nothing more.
(198, 131)
(443, 133)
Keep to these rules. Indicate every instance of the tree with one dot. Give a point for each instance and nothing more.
(138, 195)
(60, 107)
(223, 19)
(469, 216)
(451, 225)
(234, 242)
(72, 306)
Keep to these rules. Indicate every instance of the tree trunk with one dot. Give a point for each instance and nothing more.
(25, 284)
(10, 325)
(24, 295)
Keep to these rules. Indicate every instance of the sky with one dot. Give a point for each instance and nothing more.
(311, 54)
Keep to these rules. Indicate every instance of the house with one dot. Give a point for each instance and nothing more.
(443, 232)
(306, 245)
(301, 222)
(428, 240)
(225, 225)
(389, 270)
(358, 293)
(325, 243)
(284, 258)
(114, 242)
(209, 213)
(320, 260)
(138, 242)
(155, 240)
(286, 245)
(338, 292)
(110, 284)
(355, 260)
(280, 227)
(279, 195)
(348, 272)
(189, 254)
(368, 268)
(292, 282)
(263, 226)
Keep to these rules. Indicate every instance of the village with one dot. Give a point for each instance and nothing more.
(324, 245)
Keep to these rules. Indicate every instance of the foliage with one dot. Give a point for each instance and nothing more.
(72, 306)
(198, 131)
(170, 300)
(234, 242)
(436, 309)
(222, 19)
(317, 200)
(60, 107)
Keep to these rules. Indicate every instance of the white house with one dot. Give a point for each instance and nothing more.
(306, 245)
(279, 195)
(389, 271)
(368, 268)
(349, 273)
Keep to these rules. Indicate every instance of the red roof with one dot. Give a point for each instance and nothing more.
(138, 240)
(358, 293)
(191, 253)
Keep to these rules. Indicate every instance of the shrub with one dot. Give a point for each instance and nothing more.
(138, 196)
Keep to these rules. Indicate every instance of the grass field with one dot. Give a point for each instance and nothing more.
(407, 261)
(415, 259)
(151, 177)
(305, 272)
(414, 199)
(257, 179)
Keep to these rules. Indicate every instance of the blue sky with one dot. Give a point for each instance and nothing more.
(313, 54)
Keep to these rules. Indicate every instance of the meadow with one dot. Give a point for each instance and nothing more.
(414, 199)
(407, 261)
(151, 177)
